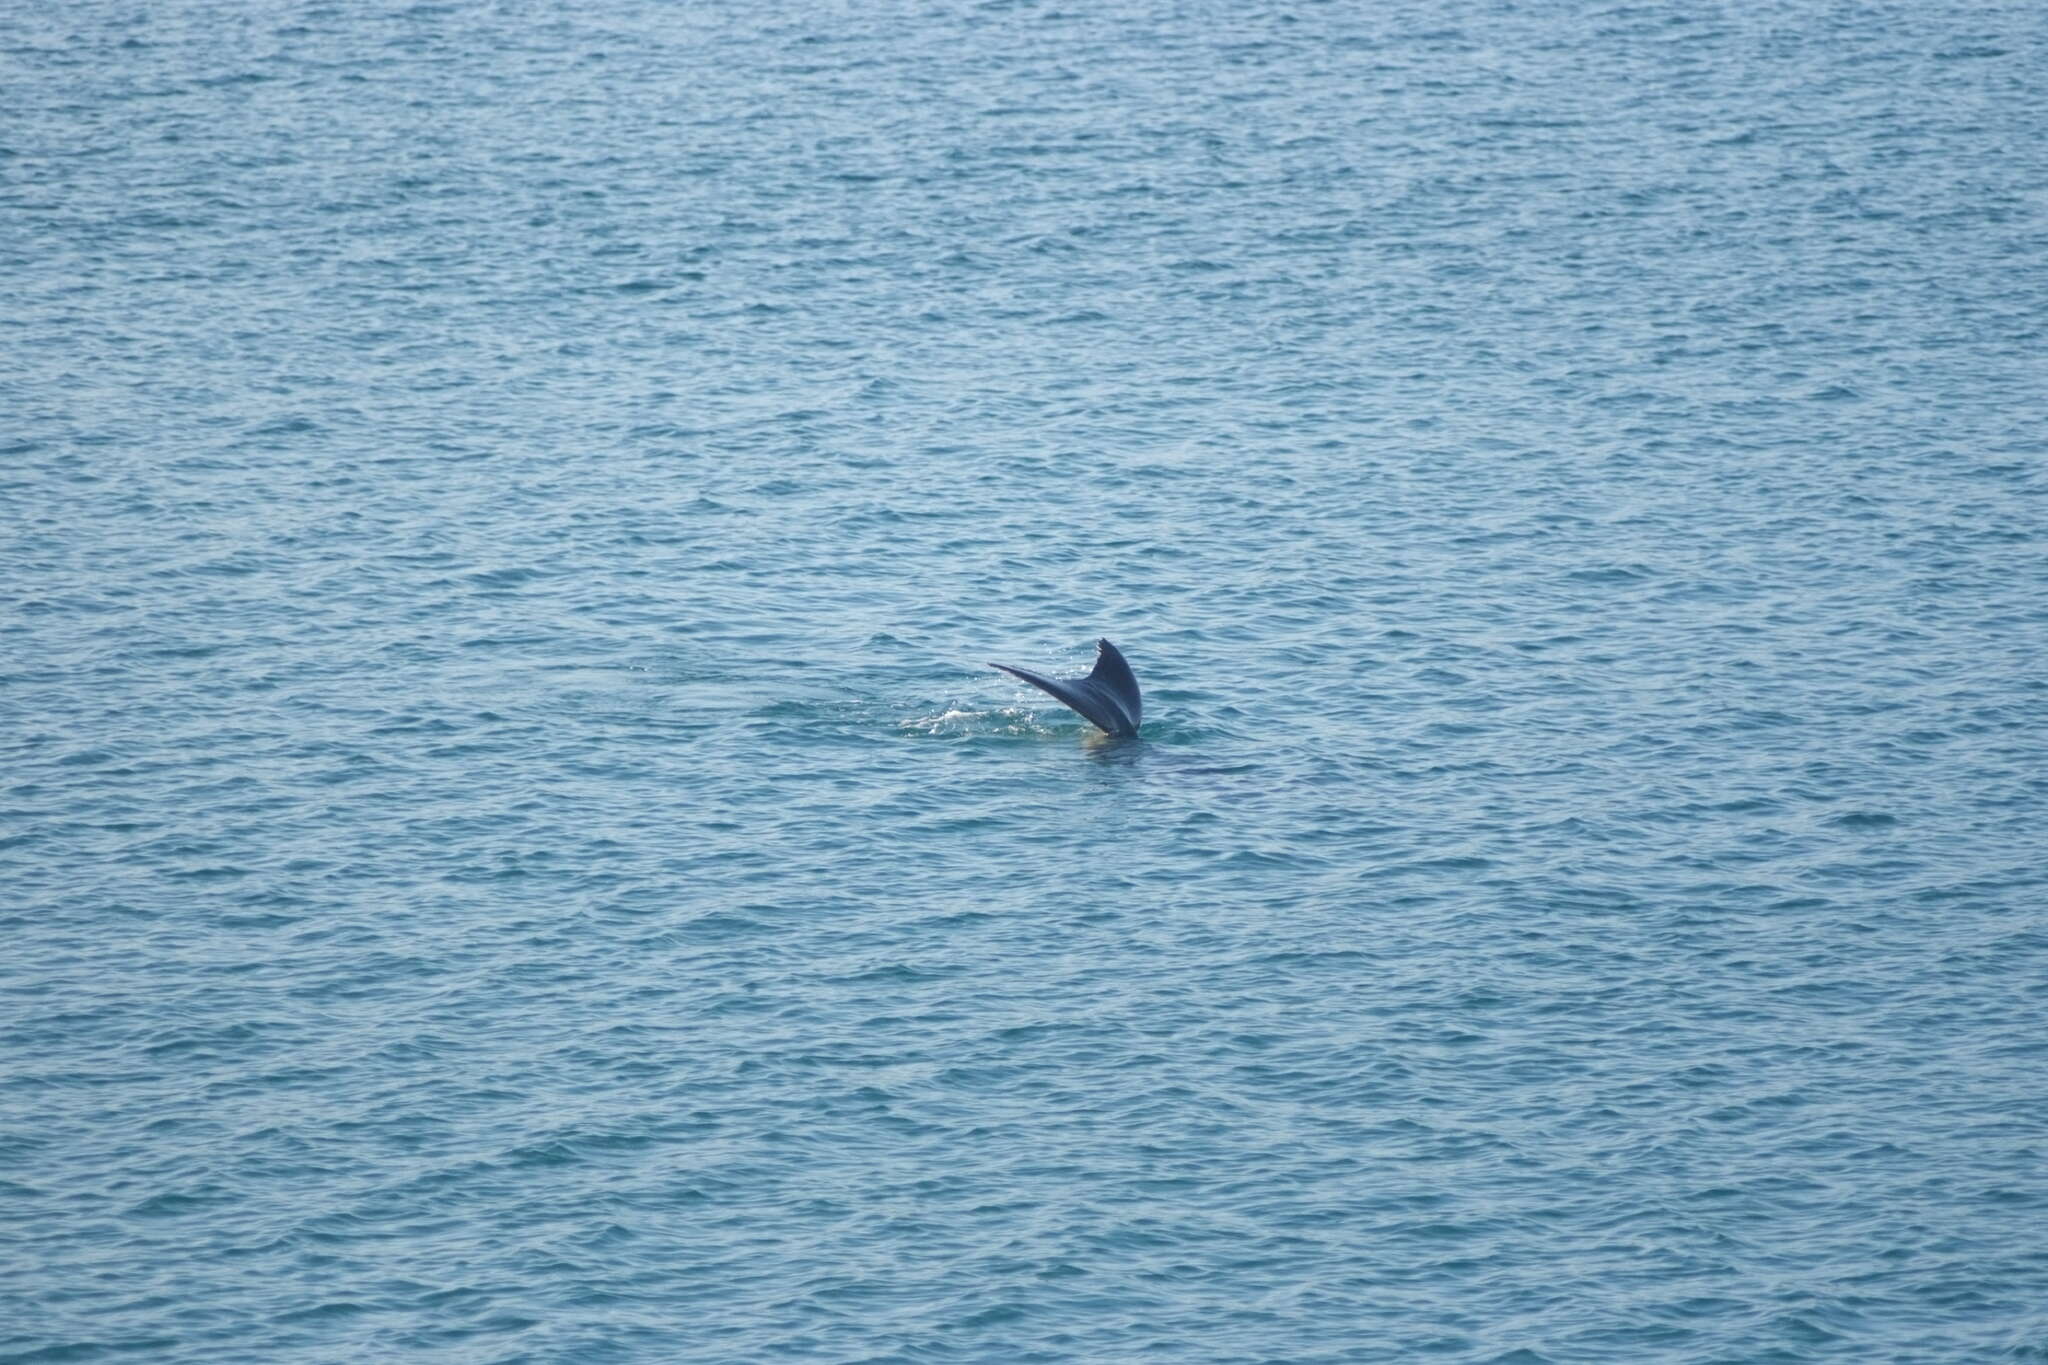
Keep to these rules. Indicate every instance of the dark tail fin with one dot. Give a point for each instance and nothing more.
(1108, 696)
(1113, 674)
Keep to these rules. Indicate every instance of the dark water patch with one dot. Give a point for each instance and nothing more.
(1863, 820)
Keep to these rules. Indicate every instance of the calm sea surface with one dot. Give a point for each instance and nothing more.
(510, 852)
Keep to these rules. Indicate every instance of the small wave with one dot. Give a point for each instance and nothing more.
(961, 724)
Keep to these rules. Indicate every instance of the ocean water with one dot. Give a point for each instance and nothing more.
(510, 851)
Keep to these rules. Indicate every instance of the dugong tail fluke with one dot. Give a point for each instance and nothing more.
(1108, 696)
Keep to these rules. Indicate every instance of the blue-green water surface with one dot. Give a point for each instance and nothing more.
(509, 851)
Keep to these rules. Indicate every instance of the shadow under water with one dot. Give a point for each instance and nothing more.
(1108, 748)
